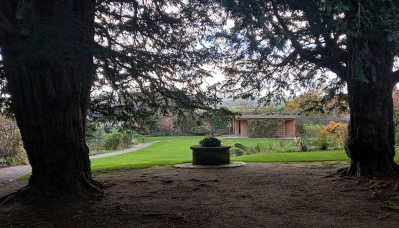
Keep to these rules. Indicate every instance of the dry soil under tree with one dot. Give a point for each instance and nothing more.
(258, 194)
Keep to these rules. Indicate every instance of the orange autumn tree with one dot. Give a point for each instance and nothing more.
(302, 102)
(340, 130)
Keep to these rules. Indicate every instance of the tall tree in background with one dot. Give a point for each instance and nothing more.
(137, 58)
(302, 102)
(284, 45)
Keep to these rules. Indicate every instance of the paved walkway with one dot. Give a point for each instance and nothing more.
(10, 173)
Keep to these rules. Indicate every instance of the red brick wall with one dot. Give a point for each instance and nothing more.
(166, 123)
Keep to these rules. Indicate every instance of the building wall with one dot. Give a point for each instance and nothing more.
(267, 128)
(279, 129)
(290, 128)
(244, 127)
(166, 123)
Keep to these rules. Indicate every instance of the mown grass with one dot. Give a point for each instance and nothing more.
(178, 151)
(159, 153)
(250, 141)
(168, 138)
(326, 155)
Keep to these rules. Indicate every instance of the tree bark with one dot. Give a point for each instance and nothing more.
(371, 140)
(50, 98)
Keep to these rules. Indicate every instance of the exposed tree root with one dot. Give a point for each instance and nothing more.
(98, 184)
(36, 195)
(356, 171)
(343, 171)
(26, 194)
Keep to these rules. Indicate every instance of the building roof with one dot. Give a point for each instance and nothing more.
(247, 116)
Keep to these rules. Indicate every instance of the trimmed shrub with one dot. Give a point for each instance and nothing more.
(200, 129)
(240, 146)
(236, 152)
(210, 142)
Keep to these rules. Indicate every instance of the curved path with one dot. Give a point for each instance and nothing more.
(10, 173)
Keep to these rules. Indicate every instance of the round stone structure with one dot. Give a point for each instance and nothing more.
(211, 155)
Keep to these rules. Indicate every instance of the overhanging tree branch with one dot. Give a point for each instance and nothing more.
(285, 61)
(331, 64)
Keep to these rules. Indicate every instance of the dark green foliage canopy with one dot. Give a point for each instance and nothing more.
(286, 45)
(148, 55)
(219, 118)
(151, 55)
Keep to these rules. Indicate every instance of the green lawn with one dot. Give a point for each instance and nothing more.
(178, 151)
(159, 153)
(168, 138)
(250, 141)
(329, 155)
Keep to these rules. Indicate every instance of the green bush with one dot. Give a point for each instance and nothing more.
(271, 146)
(313, 130)
(109, 129)
(325, 140)
(7, 160)
(317, 137)
(163, 133)
(126, 139)
(210, 142)
(112, 141)
(236, 152)
(240, 146)
(304, 143)
(95, 136)
(200, 129)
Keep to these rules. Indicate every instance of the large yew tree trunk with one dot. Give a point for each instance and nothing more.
(371, 128)
(50, 97)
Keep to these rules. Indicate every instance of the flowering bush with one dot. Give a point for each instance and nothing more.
(331, 127)
(340, 130)
(323, 137)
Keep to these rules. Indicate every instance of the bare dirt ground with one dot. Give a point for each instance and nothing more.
(255, 195)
